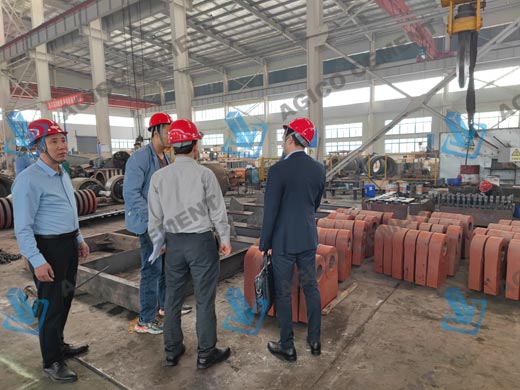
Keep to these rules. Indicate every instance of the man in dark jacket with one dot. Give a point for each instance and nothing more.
(293, 194)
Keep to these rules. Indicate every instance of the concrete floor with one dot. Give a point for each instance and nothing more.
(386, 334)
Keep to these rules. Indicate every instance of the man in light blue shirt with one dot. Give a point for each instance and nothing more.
(47, 231)
(139, 169)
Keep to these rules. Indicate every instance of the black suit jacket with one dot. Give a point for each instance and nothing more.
(292, 196)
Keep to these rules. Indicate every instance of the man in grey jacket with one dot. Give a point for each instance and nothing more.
(185, 204)
(139, 169)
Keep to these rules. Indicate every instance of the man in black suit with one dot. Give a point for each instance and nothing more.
(293, 194)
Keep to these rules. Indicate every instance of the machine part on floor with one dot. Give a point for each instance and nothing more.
(83, 183)
(5, 185)
(400, 210)
(6, 257)
(221, 173)
(482, 217)
(104, 174)
(119, 160)
(86, 202)
(391, 197)
(479, 201)
(6, 213)
(115, 186)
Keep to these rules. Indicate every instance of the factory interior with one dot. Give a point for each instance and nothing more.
(414, 107)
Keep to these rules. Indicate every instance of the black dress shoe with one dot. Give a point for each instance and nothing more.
(315, 347)
(59, 372)
(216, 355)
(70, 351)
(288, 354)
(173, 359)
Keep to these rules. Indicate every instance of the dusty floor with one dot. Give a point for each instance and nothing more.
(386, 334)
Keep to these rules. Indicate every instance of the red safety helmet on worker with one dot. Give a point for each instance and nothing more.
(40, 129)
(183, 132)
(302, 129)
(159, 118)
(158, 122)
(485, 186)
(44, 127)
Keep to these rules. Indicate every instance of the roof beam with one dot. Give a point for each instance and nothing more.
(69, 21)
(169, 48)
(269, 20)
(206, 30)
(82, 60)
(150, 64)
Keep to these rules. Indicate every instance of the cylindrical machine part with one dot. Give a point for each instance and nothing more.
(115, 186)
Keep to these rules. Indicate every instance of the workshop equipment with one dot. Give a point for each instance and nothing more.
(466, 24)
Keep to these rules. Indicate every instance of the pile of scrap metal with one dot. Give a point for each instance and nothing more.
(6, 257)
(391, 197)
(479, 201)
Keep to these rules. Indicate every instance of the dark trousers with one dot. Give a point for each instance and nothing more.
(62, 256)
(196, 254)
(283, 269)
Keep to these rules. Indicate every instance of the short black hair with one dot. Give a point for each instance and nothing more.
(291, 132)
(158, 127)
(185, 149)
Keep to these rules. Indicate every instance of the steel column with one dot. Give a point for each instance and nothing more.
(315, 44)
(182, 79)
(5, 94)
(41, 62)
(97, 61)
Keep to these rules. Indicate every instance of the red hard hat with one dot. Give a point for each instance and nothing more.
(44, 127)
(486, 186)
(303, 128)
(159, 118)
(183, 130)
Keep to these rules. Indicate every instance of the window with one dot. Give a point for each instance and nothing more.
(31, 115)
(412, 88)
(412, 126)
(82, 119)
(276, 105)
(248, 109)
(121, 121)
(491, 78)
(497, 120)
(405, 145)
(344, 98)
(209, 114)
(347, 130)
(279, 150)
(335, 147)
(122, 144)
(213, 139)
(279, 135)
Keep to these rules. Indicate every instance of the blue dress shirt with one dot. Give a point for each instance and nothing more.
(44, 204)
